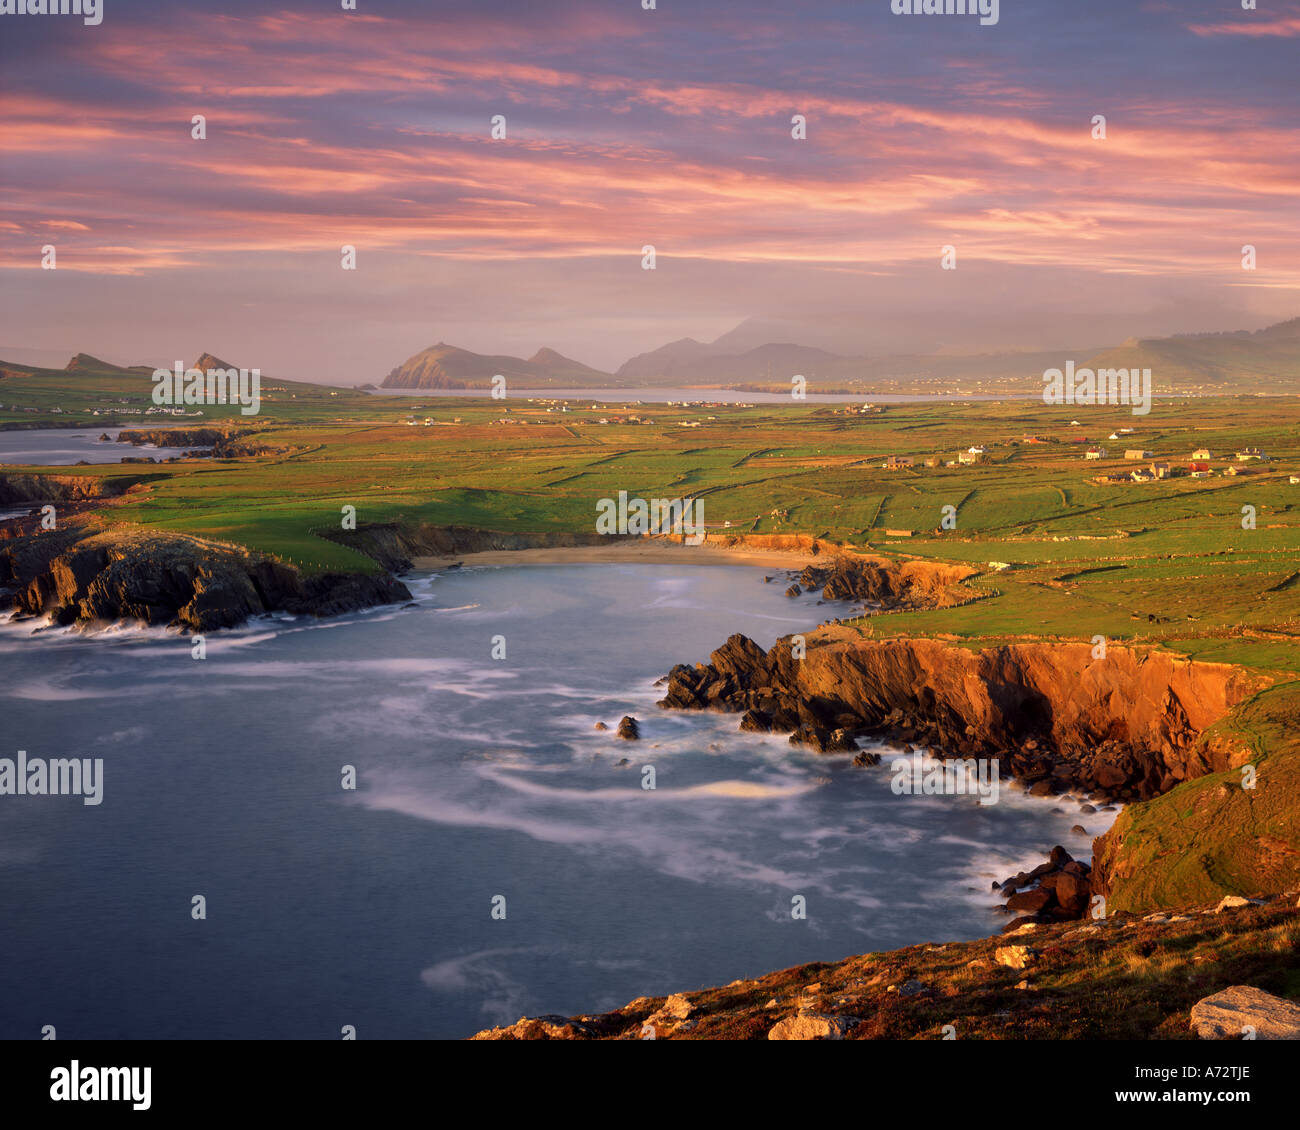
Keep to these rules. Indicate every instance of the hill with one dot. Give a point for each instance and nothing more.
(448, 366)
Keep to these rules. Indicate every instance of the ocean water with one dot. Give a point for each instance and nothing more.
(476, 778)
(56, 447)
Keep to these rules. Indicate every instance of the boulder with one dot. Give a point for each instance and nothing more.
(1231, 1014)
(811, 1027)
(1015, 957)
(628, 728)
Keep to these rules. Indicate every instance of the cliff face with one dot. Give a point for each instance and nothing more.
(1135, 726)
(19, 489)
(1231, 831)
(83, 575)
(1126, 726)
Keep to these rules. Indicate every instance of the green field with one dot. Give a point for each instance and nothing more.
(1165, 561)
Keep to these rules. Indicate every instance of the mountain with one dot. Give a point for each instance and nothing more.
(207, 361)
(688, 361)
(448, 366)
(1266, 360)
(85, 363)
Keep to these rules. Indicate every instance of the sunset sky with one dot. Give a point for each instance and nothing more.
(628, 127)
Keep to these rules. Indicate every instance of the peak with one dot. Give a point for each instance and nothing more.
(86, 361)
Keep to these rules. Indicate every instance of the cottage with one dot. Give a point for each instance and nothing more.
(894, 462)
(966, 457)
(1137, 453)
(1249, 453)
(1095, 453)
(1142, 476)
(1160, 470)
(1202, 453)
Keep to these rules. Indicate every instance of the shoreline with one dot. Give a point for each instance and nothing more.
(648, 552)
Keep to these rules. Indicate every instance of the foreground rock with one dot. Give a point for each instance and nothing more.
(810, 1027)
(1244, 1012)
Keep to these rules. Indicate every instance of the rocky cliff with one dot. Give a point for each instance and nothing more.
(90, 575)
(1125, 727)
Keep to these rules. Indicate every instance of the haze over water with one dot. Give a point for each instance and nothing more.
(476, 778)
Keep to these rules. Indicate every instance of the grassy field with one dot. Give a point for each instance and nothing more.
(1164, 562)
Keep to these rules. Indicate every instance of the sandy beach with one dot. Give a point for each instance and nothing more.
(646, 552)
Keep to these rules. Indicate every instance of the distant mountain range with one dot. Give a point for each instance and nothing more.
(1260, 361)
(446, 366)
(1266, 360)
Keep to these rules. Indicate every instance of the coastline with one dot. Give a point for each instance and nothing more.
(641, 552)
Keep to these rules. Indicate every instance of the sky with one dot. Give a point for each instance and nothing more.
(628, 127)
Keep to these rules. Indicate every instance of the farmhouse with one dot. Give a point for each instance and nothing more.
(1095, 453)
(1202, 454)
(894, 462)
(1137, 453)
(1160, 470)
(1249, 453)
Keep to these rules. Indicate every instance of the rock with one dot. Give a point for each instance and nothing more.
(823, 740)
(1079, 830)
(1227, 1015)
(1231, 902)
(866, 757)
(1087, 808)
(1031, 901)
(602, 726)
(677, 1007)
(628, 728)
(1015, 957)
(1021, 925)
(811, 1027)
(910, 989)
(539, 1028)
(756, 722)
(793, 590)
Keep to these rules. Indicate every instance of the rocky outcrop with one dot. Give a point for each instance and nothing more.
(222, 442)
(887, 584)
(86, 575)
(1055, 891)
(1127, 726)
(18, 489)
